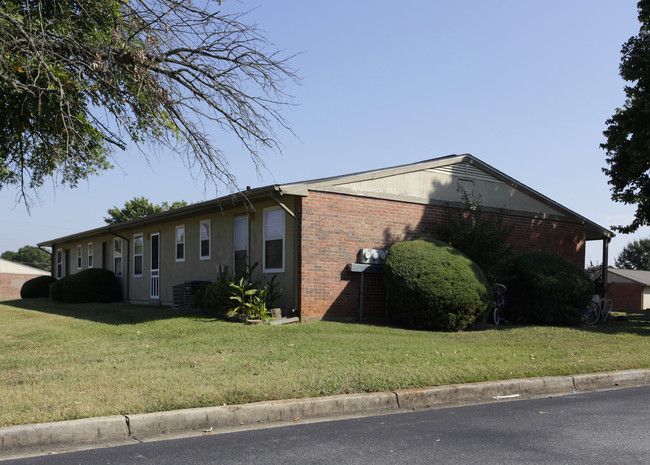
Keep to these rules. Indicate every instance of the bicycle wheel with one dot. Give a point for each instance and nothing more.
(496, 315)
(592, 314)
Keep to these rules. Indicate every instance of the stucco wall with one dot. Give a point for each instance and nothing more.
(336, 226)
(172, 272)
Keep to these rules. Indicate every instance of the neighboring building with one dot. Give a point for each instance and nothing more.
(12, 277)
(308, 233)
(629, 289)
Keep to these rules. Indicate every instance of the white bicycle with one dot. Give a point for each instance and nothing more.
(597, 310)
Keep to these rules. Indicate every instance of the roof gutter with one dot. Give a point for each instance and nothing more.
(223, 203)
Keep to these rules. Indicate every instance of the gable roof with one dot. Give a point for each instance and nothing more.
(369, 183)
(615, 275)
(463, 166)
(9, 267)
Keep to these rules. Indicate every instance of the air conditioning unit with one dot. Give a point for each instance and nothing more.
(372, 256)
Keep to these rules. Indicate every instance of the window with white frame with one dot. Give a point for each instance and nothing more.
(180, 243)
(79, 259)
(90, 255)
(117, 256)
(205, 238)
(240, 241)
(59, 264)
(138, 252)
(274, 240)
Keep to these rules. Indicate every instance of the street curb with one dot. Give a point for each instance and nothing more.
(63, 432)
(115, 428)
(443, 395)
(260, 412)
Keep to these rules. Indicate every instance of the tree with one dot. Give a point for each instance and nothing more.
(635, 256)
(30, 256)
(138, 207)
(595, 275)
(81, 79)
(481, 236)
(628, 131)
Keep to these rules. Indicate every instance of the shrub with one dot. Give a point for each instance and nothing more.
(432, 285)
(238, 296)
(546, 288)
(213, 298)
(92, 285)
(57, 290)
(36, 287)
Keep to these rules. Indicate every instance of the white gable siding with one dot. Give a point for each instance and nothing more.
(442, 185)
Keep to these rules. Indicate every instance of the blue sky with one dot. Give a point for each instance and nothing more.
(524, 86)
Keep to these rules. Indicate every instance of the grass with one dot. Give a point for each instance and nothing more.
(61, 361)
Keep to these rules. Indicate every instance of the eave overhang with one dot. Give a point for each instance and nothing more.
(245, 198)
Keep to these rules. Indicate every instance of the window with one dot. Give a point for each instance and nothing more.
(180, 243)
(138, 250)
(90, 255)
(273, 240)
(240, 241)
(79, 261)
(59, 264)
(204, 246)
(117, 256)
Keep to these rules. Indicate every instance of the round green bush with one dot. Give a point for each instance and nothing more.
(547, 289)
(57, 290)
(92, 285)
(36, 287)
(432, 285)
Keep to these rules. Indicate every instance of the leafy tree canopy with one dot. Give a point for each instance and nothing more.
(635, 256)
(628, 131)
(30, 256)
(481, 236)
(139, 207)
(79, 79)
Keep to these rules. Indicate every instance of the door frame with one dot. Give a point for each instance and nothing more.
(154, 268)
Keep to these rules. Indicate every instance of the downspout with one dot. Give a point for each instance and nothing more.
(283, 206)
(296, 259)
(51, 258)
(128, 267)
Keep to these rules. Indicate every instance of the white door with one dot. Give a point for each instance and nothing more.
(155, 266)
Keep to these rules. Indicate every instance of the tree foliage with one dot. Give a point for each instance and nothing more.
(480, 235)
(30, 256)
(628, 131)
(635, 256)
(79, 79)
(138, 207)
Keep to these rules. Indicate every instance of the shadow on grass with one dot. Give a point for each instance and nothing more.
(631, 322)
(114, 313)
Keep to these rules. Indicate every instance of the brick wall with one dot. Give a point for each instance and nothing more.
(336, 226)
(10, 284)
(626, 296)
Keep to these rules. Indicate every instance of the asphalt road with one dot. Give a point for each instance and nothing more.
(608, 427)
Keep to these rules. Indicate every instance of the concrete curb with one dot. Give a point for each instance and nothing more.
(260, 412)
(63, 432)
(115, 428)
(444, 395)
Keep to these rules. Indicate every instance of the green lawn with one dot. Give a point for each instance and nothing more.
(60, 361)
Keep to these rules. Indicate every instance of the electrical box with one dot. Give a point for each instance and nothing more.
(372, 256)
